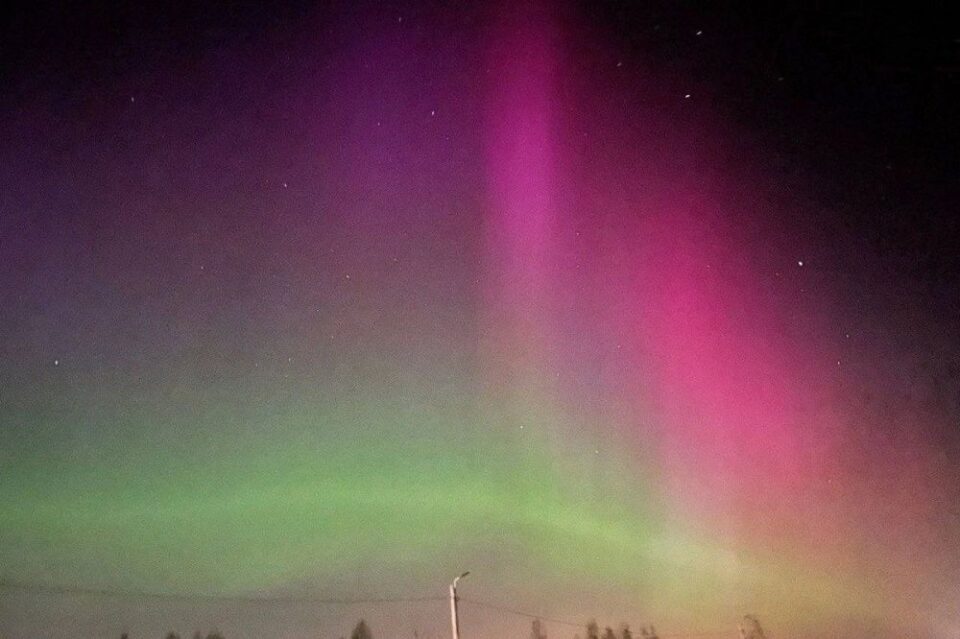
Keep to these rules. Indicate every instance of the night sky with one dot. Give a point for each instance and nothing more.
(640, 311)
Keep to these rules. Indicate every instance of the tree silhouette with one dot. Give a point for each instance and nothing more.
(593, 630)
(625, 631)
(750, 628)
(172, 635)
(608, 633)
(537, 631)
(361, 631)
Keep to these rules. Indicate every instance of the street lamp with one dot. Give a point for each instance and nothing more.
(454, 620)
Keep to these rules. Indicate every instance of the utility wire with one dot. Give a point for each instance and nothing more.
(521, 613)
(170, 596)
(138, 594)
(530, 615)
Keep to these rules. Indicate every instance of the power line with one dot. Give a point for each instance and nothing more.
(266, 599)
(521, 613)
(172, 596)
(530, 615)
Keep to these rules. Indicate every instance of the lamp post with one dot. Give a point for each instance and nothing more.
(454, 620)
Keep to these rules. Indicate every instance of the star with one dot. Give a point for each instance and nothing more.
(56, 362)
(699, 33)
(799, 262)
(432, 113)
(687, 96)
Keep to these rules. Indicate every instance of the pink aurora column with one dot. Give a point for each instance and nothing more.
(521, 219)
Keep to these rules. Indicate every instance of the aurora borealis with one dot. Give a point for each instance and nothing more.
(351, 300)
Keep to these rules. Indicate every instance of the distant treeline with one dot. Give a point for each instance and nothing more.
(197, 635)
(537, 631)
